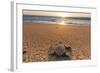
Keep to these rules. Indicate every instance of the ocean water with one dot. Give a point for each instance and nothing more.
(78, 21)
(56, 20)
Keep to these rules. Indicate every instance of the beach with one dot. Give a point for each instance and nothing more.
(38, 37)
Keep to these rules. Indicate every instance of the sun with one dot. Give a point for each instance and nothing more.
(62, 15)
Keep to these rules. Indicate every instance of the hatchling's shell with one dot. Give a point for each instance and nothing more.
(60, 50)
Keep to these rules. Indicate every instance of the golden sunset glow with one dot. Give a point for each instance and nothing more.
(63, 14)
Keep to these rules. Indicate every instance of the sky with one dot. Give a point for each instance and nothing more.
(57, 14)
